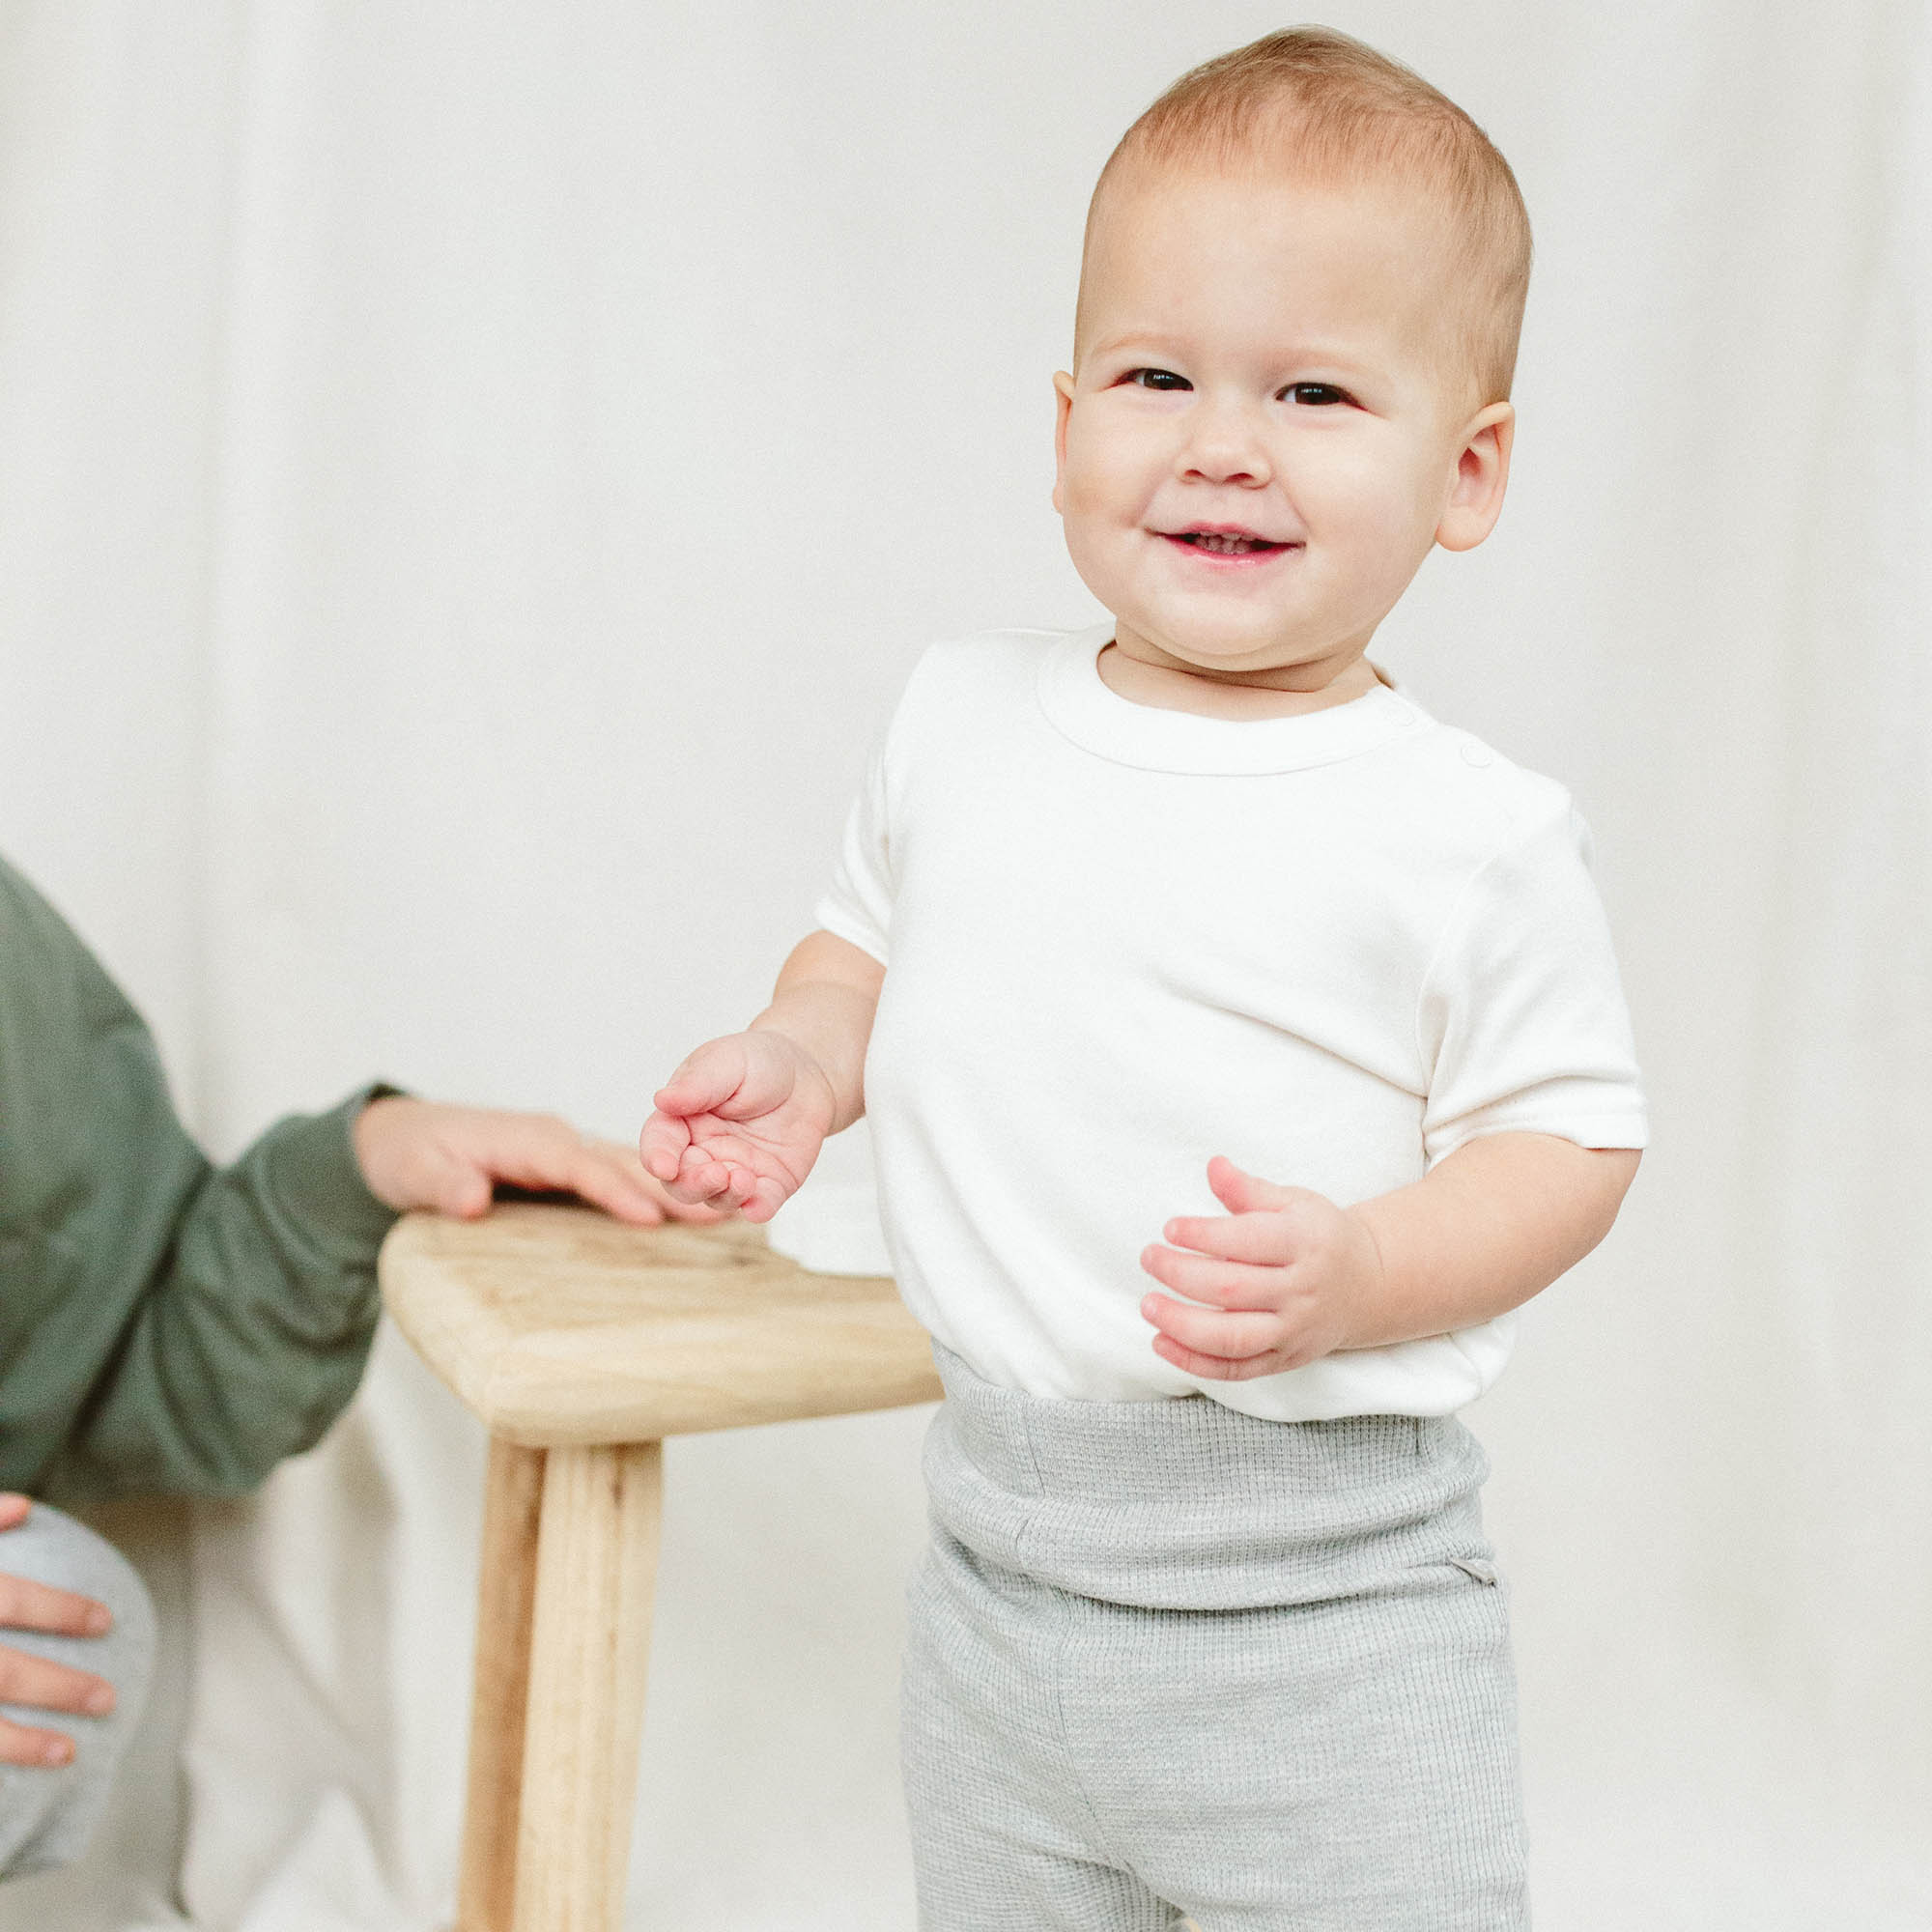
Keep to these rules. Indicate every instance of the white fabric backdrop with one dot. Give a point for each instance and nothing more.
(471, 480)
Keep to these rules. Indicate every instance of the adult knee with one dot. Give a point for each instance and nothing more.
(47, 1816)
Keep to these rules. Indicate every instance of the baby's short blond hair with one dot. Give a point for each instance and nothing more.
(1320, 106)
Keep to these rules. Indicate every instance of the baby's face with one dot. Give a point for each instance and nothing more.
(1268, 428)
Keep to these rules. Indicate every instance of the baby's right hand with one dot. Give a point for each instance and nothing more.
(740, 1124)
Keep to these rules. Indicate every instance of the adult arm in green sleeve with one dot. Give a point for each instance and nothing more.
(164, 1325)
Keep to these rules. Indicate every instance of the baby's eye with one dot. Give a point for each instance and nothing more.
(1316, 394)
(1157, 379)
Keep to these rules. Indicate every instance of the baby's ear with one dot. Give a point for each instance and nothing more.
(1062, 390)
(1482, 475)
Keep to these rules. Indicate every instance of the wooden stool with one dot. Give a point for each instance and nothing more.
(582, 1343)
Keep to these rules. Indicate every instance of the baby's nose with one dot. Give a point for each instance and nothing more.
(1225, 445)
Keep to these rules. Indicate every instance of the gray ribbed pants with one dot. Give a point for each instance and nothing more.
(1166, 1658)
(46, 1816)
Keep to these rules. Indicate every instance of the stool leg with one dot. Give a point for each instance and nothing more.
(596, 1556)
(506, 1597)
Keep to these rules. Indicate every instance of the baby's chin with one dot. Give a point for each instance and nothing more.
(1239, 656)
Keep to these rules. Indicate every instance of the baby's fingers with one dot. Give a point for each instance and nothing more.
(688, 1174)
(702, 1176)
(1237, 1237)
(1210, 1331)
(1203, 1278)
(740, 1077)
(766, 1196)
(661, 1145)
(1212, 1367)
(679, 1114)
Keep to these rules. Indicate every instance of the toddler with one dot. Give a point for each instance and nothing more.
(1188, 947)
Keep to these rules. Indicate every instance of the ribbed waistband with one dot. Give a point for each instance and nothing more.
(1186, 1504)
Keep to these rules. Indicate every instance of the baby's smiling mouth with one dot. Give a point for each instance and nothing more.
(1226, 540)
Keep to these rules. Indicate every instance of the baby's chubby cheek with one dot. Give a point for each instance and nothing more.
(1372, 545)
(1105, 549)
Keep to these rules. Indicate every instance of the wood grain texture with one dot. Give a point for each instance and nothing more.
(505, 1607)
(596, 1557)
(561, 1326)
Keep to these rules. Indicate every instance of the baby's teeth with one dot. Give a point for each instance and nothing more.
(1221, 544)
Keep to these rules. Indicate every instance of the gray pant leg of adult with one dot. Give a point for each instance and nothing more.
(47, 1816)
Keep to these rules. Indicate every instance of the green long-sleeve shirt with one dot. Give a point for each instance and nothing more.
(164, 1325)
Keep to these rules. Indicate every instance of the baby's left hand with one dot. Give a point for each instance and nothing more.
(1284, 1274)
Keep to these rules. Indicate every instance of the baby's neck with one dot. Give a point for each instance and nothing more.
(1177, 689)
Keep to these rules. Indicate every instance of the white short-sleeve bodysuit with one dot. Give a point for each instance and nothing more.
(1120, 940)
